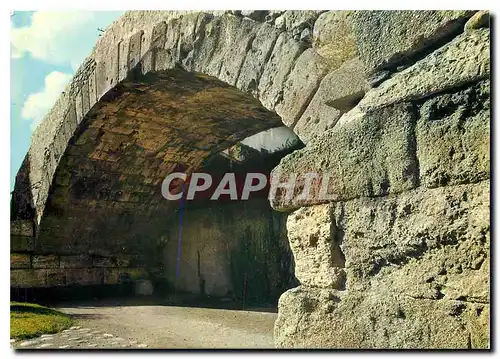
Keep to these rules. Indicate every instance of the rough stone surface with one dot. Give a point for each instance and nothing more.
(76, 261)
(313, 240)
(417, 270)
(478, 20)
(22, 244)
(397, 255)
(295, 21)
(256, 58)
(385, 163)
(334, 39)
(21, 228)
(385, 38)
(20, 261)
(464, 60)
(45, 261)
(285, 52)
(453, 137)
(338, 92)
(143, 287)
(301, 85)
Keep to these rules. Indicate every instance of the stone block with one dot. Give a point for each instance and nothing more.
(92, 89)
(295, 21)
(405, 33)
(236, 48)
(187, 39)
(111, 276)
(21, 228)
(27, 278)
(285, 52)
(124, 275)
(464, 60)
(20, 261)
(85, 276)
(45, 261)
(123, 260)
(338, 93)
(334, 39)
(55, 277)
(423, 251)
(76, 261)
(208, 29)
(227, 34)
(22, 244)
(313, 238)
(85, 98)
(371, 155)
(79, 107)
(300, 86)
(256, 57)
(144, 287)
(453, 137)
(122, 61)
(478, 20)
(103, 262)
(134, 50)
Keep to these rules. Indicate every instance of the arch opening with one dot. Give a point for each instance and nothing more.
(106, 223)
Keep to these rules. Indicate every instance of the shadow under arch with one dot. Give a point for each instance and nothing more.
(105, 216)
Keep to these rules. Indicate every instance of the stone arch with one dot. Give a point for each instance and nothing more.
(110, 121)
(251, 55)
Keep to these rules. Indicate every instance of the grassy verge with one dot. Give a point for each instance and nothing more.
(29, 320)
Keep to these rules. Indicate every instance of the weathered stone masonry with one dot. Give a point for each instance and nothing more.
(394, 106)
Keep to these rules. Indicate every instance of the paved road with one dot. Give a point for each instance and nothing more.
(160, 326)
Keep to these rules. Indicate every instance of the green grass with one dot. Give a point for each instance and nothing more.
(29, 320)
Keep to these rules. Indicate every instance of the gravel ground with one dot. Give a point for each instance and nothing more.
(122, 326)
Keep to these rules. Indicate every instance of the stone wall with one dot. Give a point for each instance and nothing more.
(29, 269)
(392, 105)
(224, 246)
(399, 256)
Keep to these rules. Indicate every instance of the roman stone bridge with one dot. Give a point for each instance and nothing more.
(393, 105)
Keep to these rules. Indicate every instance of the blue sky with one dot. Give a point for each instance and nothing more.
(46, 50)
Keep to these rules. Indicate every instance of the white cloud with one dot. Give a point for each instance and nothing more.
(59, 38)
(38, 104)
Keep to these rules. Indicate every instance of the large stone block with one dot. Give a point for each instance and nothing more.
(373, 155)
(134, 49)
(236, 51)
(208, 30)
(334, 39)
(313, 238)
(55, 277)
(22, 244)
(45, 261)
(453, 137)
(338, 93)
(385, 38)
(98, 261)
(450, 224)
(285, 52)
(296, 21)
(464, 60)
(300, 86)
(20, 261)
(27, 278)
(256, 57)
(21, 228)
(84, 276)
(418, 268)
(187, 38)
(76, 261)
(124, 275)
